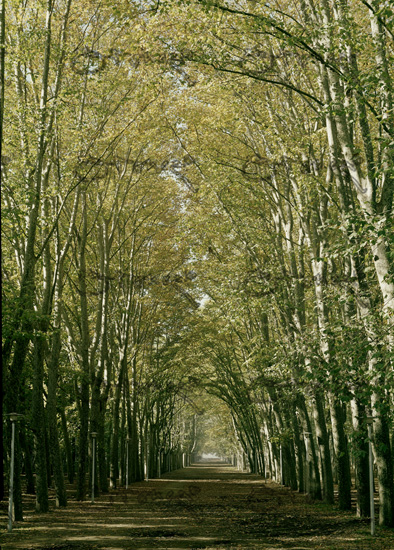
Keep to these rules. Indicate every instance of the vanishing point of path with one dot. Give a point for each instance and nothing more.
(212, 507)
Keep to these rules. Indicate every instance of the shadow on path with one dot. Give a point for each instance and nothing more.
(204, 506)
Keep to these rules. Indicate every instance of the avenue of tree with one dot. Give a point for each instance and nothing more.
(198, 241)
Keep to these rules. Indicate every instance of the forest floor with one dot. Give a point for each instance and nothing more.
(211, 507)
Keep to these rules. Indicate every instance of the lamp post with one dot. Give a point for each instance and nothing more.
(127, 461)
(94, 435)
(14, 417)
(369, 422)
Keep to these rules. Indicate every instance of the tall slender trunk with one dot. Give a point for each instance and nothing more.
(39, 425)
(299, 449)
(136, 473)
(61, 498)
(27, 451)
(2, 83)
(313, 486)
(122, 460)
(101, 456)
(384, 459)
(40, 354)
(67, 444)
(324, 447)
(101, 375)
(131, 435)
(361, 457)
(85, 367)
(342, 453)
(116, 427)
(53, 368)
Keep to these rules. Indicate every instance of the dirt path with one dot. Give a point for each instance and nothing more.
(200, 507)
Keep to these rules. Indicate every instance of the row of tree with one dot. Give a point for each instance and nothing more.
(95, 280)
(293, 212)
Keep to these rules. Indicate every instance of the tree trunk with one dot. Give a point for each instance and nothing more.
(342, 454)
(313, 486)
(324, 446)
(360, 457)
(67, 444)
(61, 497)
(384, 461)
(115, 429)
(27, 452)
(85, 367)
(38, 422)
(136, 472)
(123, 439)
(299, 449)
